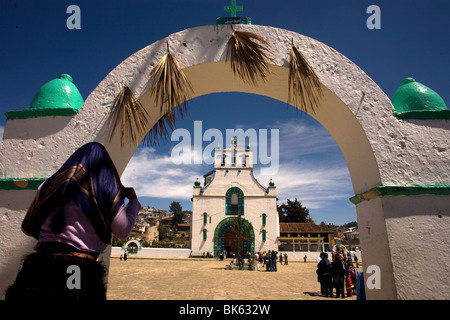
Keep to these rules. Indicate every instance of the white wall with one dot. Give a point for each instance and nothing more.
(153, 253)
(418, 232)
(312, 256)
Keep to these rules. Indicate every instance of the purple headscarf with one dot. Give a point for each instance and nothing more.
(90, 179)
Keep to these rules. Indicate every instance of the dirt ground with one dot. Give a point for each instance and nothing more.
(207, 279)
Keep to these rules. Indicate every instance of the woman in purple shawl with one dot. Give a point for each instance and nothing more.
(73, 216)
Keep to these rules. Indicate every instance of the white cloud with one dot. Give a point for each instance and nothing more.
(315, 186)
(156, 176)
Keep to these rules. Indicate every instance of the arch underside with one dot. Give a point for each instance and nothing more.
(333, 114)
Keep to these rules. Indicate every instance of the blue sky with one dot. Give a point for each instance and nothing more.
(413, 41)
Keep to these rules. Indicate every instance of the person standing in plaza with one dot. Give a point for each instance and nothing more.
(338, 273)
(274, 261)
(319, 273)
(256, 262)
(324, 268)
(267, 260)
(360, 288)
(319, 258)
(349, 286)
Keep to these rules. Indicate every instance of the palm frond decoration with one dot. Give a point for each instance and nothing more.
(128, 112)
(161, 129)
(304, 86)
(249, 58)
(170, 89)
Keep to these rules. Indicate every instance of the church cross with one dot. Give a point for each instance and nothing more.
(233, 8)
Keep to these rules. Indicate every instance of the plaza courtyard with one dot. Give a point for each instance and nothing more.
(207, 279)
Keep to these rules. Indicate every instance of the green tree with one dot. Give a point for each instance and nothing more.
(162, 231)
(241, 229)
(177, 210)
(293, 211)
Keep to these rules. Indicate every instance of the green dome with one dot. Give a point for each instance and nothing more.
(414, 96)
(58, 93)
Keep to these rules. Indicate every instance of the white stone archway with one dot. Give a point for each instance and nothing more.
(132, 243)
(382, 152)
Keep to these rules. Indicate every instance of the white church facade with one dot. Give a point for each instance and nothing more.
(230, 190)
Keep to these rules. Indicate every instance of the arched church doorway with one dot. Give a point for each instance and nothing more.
(231, 243)
(225, 240)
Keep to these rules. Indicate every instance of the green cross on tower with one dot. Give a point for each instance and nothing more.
(233, 8)
(233, 19)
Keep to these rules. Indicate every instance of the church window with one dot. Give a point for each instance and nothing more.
(205, 217)
(234, 202)
(264, 235)
(244, 160)
(264, 218)
(223, 160)
(204, 234)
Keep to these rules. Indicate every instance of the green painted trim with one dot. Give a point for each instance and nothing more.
(414, 190)
(411, 190)
(423, 115)
(35, 113)
(20, 183)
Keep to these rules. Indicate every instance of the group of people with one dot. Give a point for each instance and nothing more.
(124, 257)
(268, 259)
(339, 274)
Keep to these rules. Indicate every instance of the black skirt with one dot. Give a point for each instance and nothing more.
(46, 276)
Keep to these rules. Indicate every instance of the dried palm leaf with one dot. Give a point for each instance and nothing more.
(304, 86)
(160, 129)
(171, 88)
(249, 58)
(127, 111)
